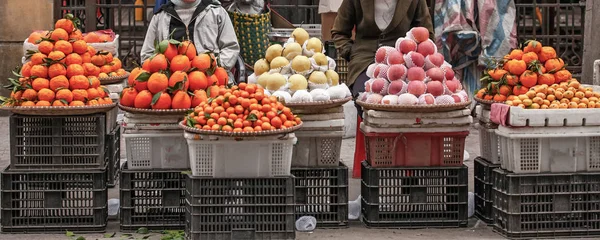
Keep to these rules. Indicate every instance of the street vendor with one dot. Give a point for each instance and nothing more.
(211, 29)
(377, 23)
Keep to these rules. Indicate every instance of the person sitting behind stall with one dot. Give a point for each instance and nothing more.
(204, 22)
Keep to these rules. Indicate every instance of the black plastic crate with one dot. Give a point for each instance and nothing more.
(57, 142)
(113, 155)
(54, 201)
(154, 199)
(323, 194)
(483, 189)
(414, 197)
(546, 205)
(245, 208)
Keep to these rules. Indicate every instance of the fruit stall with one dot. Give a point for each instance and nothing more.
(261, 159)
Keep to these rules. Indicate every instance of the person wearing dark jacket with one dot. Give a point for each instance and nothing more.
(378, 23)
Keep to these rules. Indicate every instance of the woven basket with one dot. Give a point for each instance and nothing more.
(251, 31)
(61, 110)
(415, 108)
(319, 104)
(113, 80)
(239, 134)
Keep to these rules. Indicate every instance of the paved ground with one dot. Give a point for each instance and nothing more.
(476, 229)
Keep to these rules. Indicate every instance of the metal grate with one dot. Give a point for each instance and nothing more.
(561, 26)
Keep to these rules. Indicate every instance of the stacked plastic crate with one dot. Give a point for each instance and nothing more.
(58, 174)
(152, 183)
(321, 179)
(547, 185)
(486, 163)
(240, 187)
(414, 175)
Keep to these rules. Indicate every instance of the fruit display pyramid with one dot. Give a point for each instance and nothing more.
(175, 77)
(534, 77)
(64, 71)
(412, 73)
(299, 71)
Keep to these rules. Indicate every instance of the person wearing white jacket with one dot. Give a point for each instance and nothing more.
(204, 22)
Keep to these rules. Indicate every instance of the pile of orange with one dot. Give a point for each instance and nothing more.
(521, 70)
(562, 95)
(61, 72)
(243, 108)
(173, 78)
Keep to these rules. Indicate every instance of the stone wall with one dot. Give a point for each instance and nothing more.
(18, 19)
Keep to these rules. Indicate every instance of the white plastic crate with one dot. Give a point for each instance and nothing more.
(328, 125)
(317, 149)
(225, 157)
(489, 143)
(156, 149)
(550, 149)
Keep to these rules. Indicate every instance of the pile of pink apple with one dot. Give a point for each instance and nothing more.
(412, 73)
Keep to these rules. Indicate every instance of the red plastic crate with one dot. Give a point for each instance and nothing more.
(415, 149)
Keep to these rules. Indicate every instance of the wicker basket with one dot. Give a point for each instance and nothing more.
(251, 31)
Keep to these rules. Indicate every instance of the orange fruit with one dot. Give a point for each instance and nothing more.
(546, 54)
(90, 69)
(26, 69)
(57, 56)
(59, 103)
(128, 96)
(528, 79)
(38, 58)
(34, 37)
(91, 38)
(199, 97)
(92, 102)
(116, 64)
(63, 46)
(45, 47)
(171, 51)
(64, 94)
(187, 48)
(93, 93)
(106, 69)
(59, 34)
(158, 63)
(108, 57)
(86, 58)
(553, 65)
(198, 81)
(77, 103)
(222, 76)
(497, 74)
(562, 76)
(181, 79)
(29, 94)
(76, 35)
(40, 83)
(133, 75)
(203, 62)
(515, 54)
(180, 63)
(73, 58)
(43, 104)
(532, 46)
(59, 81)
(143, 99)
(65, 24)
(79, 82)
(94, 82)
(74, 70)
(98, 60)
(516, 67)
(546, 78)
(46, 94)
(181, 100)
(39, 71)
(79, 47)
(79, 95)
(157, 82)
(163, 102)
